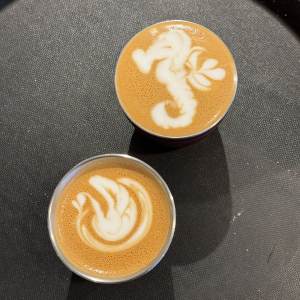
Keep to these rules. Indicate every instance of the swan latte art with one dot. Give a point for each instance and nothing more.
(176, 79)
(112, 219)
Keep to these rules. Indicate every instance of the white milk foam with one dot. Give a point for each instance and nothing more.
(121, 216)
(175, 52)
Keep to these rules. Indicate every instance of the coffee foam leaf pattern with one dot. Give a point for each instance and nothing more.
(121, 216)
(176, 68)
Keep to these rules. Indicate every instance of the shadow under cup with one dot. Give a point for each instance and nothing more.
(175, 141)
(100, 161)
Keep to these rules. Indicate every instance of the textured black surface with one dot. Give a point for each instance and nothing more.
(237, 192)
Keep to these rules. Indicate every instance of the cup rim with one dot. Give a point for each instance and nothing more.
(170, 138)
(89, 276)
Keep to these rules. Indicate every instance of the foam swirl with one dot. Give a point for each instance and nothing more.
(177, 67)
(121, 216)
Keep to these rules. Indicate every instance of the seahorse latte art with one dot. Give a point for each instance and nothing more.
(177, 69)
(121, 216)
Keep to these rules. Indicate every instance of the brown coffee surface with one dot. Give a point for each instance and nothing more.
(139, 92)
(117, 263)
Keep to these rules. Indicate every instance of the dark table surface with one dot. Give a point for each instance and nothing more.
(237, 192)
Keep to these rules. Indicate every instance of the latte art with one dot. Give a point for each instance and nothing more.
(177, 68)
(121, 216)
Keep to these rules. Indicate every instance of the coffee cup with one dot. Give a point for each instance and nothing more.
(175, 81)
(111, 218)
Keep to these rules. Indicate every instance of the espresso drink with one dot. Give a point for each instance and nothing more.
(175, 79)
(113, 219)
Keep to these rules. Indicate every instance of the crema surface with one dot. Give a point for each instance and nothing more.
(112, 221)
